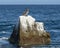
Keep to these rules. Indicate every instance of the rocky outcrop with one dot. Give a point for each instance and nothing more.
(29, 32)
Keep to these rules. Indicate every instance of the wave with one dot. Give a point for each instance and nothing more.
(5, 32)
(54, 30)
(3, 38)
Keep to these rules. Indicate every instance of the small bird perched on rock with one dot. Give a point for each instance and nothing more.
(25, 13)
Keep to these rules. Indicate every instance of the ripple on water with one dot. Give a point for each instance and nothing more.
(55, 36)
(3, 40)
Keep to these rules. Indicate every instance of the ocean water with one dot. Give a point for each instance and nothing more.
(49, 14)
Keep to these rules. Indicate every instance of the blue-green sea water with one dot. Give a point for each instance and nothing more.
(49, 14)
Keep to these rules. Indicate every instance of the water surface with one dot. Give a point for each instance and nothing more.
(49, 14)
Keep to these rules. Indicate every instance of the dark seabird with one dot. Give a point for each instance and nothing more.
(25, 13)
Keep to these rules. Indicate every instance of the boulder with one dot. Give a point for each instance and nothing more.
(29, 32)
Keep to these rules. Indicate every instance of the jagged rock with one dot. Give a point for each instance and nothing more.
(29, 32)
